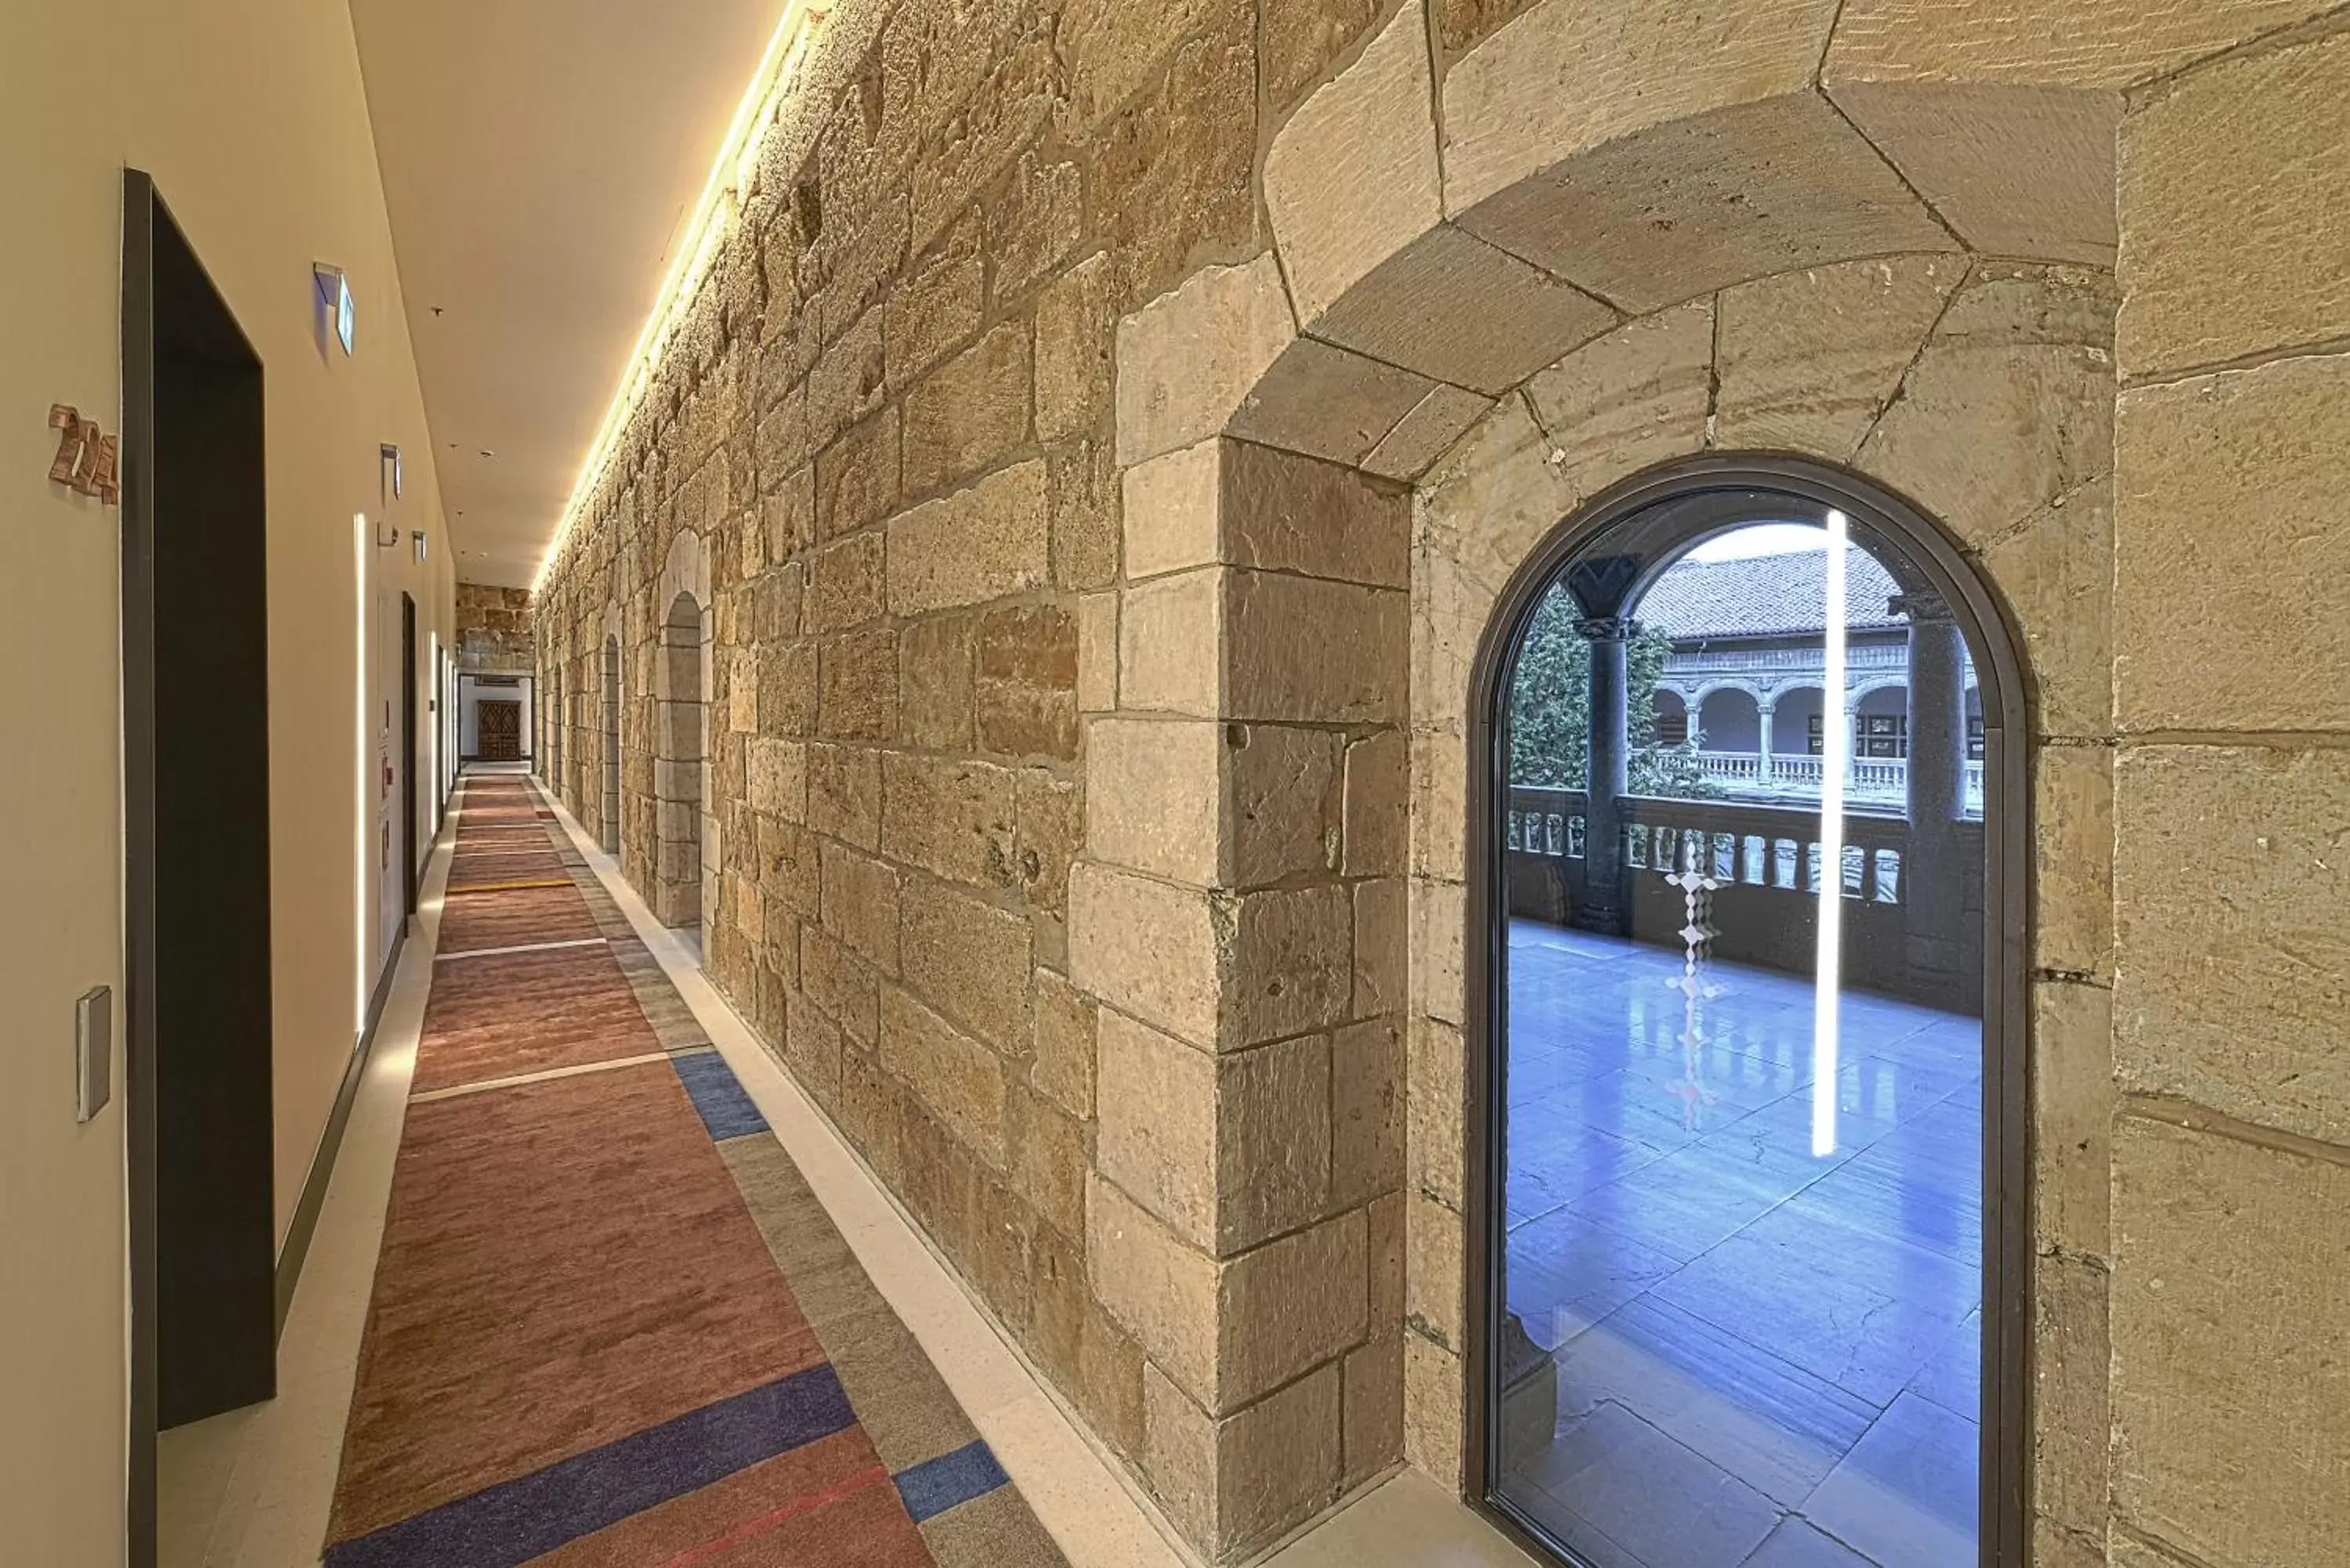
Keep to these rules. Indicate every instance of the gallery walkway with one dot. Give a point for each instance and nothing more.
(612, 1326)
(1786, 1342)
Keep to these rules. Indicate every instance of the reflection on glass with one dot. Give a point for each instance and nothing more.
(1741, 1286)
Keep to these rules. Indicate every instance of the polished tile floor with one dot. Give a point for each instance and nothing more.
(1763, 1359)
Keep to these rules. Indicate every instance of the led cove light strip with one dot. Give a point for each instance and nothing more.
(1835, 748)
(703, 236)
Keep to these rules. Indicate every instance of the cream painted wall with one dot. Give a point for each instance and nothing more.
(252, 116)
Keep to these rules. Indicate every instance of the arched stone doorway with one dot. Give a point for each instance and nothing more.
(681, 771)
(1678, 1201)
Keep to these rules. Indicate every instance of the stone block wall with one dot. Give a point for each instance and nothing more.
(1095, 453)
(494, 631)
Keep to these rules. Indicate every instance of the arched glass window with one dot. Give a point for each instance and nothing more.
(1747, 1024)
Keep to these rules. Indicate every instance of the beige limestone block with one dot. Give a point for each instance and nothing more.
(1353, 176)
(2090, 43)
(779, 778)
(1171, 645)
(1098, 653)
(1160, 1290)
(1382, 947)
(2010, 408)
(1155, 797)
(971, 413)
(1366, 1117)
(1281, 1462)
(972, 545)
(2230, 1393)
(1437, 1113)
(1327, 402)
(1622, 402)
(1809, 359)
(1291, 1305)
(930, 311)
(2233, 976)
(844, 794)
(2230, 553)
(2054, 1546)
(1440, 806)
(952, 817)
(955, 1075)
(1076, 338)
(1309, 649)
(1281, 803)
(969, 960)
(1372, 1419)
(1287, 512)
(1421, 436)
(1292, 963)
(2071, 1423)
(860, 904)
(937, 698)
(1684, 208)
(1434, 1278)
(1377, 803)
(2072, 1105)
(2017, 169)
(1562, 78)
(1431, 1410)
(1172, 511)
(845, 583)
(1051, 829)
(1046, 1153)
(1273, 1138)
(1158, 1133)
(2072, 859)
(2055, 571)
(1437, 917)
(1452, 307)
(1061, 1065)
(1186, 361)
(841, 985)
(1150, 947)
(1236, 1484)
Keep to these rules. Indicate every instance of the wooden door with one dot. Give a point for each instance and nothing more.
(500, 730)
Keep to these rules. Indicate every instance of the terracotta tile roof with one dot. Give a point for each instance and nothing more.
(1765, 596)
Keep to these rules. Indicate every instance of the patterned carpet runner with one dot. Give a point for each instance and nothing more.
(612, 1328)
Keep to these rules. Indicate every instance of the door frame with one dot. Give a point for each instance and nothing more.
(410, 846)
(237, 1168)
(2001, 673)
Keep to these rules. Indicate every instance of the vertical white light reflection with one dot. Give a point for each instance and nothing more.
(1836, 747)
(362, 539)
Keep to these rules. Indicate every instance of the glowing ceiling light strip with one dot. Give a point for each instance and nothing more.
(1836, 746)
(699, 245)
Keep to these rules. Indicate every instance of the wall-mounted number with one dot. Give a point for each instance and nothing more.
(88, 461)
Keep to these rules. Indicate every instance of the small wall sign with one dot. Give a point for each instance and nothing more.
(88, 461)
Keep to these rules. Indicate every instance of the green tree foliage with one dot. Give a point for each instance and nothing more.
(1550, 709)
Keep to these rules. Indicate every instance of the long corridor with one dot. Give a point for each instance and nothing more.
(610, 1323)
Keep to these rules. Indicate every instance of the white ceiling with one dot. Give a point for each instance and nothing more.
(540, 158)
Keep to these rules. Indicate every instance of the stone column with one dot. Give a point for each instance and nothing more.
(1239, 918)
(1933, 870)
(1607, 779)
(1763, 712)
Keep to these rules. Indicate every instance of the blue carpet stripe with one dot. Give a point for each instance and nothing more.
(937, 1485)
(510, 1523)
(727, 1110)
